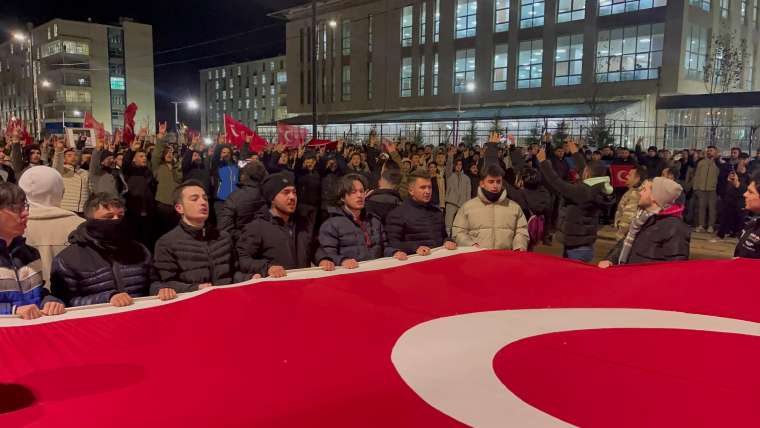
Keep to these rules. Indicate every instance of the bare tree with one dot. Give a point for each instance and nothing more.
(723, 72)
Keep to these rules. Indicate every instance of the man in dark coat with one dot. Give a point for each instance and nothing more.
(749, 241)
(386, 197)
(658, 233)
(352, 235)
(416, 226)
(194, 255)
(103, 264)
(140, 195)
(309, 189)
(278, 239)
(241, 206)
(583, 203)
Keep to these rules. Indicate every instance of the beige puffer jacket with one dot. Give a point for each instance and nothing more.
(501, 225)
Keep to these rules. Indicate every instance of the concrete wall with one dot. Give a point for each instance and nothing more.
(138, 61)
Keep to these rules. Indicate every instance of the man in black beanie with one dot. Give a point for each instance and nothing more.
(278, 239)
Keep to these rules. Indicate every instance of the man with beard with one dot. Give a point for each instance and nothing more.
(225, 175)
(278, 239)
(102, 264)
(491, 220)
(103, 176)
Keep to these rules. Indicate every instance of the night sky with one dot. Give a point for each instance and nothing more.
(175, 24)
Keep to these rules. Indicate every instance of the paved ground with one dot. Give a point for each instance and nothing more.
(703, 246)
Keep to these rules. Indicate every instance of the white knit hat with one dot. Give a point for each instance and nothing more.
(43, 186)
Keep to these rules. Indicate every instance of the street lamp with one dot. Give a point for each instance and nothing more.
(45, 83)
(191, 105)
(77, 113)
(333, 23)
(469, 86)
(19, 37)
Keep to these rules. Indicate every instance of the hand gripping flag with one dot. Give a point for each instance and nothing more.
(291, 136)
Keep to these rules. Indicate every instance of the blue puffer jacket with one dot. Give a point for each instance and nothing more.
(21, 280)
(341, 238)
(228, 176)
(88, 272)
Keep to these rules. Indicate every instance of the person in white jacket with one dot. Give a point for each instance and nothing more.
(76, 181)
(458, 187)
(49, 225)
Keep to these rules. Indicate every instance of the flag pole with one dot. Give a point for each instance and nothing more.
(314, 69)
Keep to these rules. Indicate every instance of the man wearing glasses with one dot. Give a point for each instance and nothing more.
(22, 290)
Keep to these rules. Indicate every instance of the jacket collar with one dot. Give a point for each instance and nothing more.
(674, 210)
(17, 242)
(411, 202)
(199, 234)
(500, 201)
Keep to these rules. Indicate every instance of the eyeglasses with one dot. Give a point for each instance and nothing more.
(18, 208)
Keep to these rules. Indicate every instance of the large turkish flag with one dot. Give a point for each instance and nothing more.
(486, 338)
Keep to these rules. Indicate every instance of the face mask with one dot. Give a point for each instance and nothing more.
(106, 230)
(492, 197)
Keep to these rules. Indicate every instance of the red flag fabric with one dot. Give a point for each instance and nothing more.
(291, 136)
(620, 174)
(90, 122)
(329, 144)
(236, 134)
(483, 338)
(129, 123)
(17, 125)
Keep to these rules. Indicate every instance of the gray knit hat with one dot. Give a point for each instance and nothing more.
(665, 191)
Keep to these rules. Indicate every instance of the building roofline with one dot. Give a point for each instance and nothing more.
(324, 6)
(269, 58)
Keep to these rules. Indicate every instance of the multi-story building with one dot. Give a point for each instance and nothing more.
(438, 61)
(53, 74)
(254, 93)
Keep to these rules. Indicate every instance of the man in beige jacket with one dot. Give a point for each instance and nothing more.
(49, 225)
(491, 220)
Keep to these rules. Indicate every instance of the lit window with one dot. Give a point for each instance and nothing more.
(406, 77)
(423, 23)
(568, 60)
(500, 70)
(117, 83)
(435, 74)
(630, 53)
(748, 84)
(725, 5)
(346, 37)
(501, 15)
(464, 69)
(437, 21)
(530, 61)
(703, 4)
(407, 18)
(571, 10)
(345, 94)
(531, 13)
(466, 18)
(421, 91)
(612, 7)
(696, 52)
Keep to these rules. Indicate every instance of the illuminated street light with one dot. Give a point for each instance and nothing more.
(19, 37)
(470, 86)
(333, 23)
(77, 113)
(46, 83)
(192, 104)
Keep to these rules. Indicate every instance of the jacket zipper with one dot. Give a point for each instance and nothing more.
(211, 268)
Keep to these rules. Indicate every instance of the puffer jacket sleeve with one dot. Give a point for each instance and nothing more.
(248, 247)
(64, 286)
(168, 271)
(329, 241)
(394, 228)
(388, 249)
(522, 237)
(459, 230)
(227, 218)
(676, 246)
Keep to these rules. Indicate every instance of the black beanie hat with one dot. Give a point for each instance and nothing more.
(273, 184)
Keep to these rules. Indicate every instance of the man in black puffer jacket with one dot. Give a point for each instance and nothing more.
(194, 255)
(140, 196)
(242, 205)
(102, 264)
(351, 235)
(583, 203)
(309, 189)
(278, 239)
(386, 197)
(416, 227)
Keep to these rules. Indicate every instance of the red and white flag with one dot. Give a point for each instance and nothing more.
(91, 123)
(620, 174)
(236, 134)
(129, 122)
(291, 136)
(317, 144)
(19, 126)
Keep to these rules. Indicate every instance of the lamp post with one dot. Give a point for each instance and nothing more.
(22, 37)
(191, 104)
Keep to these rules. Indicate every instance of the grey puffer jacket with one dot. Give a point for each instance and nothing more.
(341, 237)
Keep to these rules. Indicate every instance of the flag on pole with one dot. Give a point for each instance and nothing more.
(236, 134)
(291, 136)
(129, 122)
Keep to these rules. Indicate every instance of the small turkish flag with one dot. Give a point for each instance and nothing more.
(129, 123)
(291, 136)
(620, 174)
(91, 123)
(236, 134)
(329, 144)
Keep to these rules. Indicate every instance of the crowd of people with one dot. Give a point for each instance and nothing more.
(166, 214)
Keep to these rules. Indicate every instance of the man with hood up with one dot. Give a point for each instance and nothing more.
(583, 201)
(103, 264)
(241, 206)
(49, 225)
